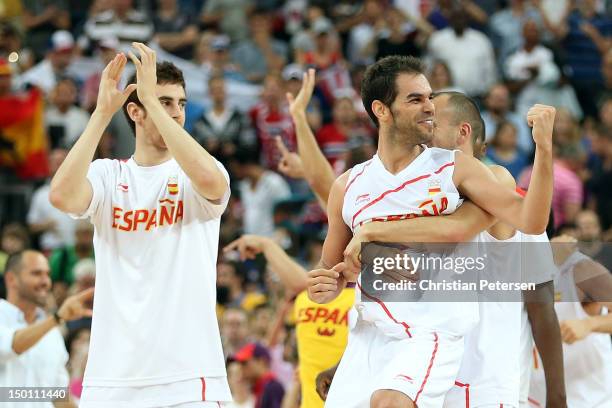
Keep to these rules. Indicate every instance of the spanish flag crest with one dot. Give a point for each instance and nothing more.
(434, 187)
(173, 185)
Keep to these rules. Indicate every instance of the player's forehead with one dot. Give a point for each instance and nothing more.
(412, 84)
(172, 91)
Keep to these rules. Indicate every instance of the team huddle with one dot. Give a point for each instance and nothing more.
(157, 220)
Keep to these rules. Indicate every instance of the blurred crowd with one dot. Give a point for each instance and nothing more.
(240, 58)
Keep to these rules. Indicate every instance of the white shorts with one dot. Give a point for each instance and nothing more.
(460, 396)
(423, 367)
(192, 393)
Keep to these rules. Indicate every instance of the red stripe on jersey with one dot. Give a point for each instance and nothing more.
(203, 389)
(395, 190)
(356, 176)
(382, 304)
(467, 392)
(534, 402)
(521, 191)
(431, 361)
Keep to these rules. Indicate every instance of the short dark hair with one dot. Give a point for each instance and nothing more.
(167, 73)
(379, 81)
(465, 109)
(14, 262)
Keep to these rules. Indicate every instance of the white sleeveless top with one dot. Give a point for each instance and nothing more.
(424, 188)
(588, 362)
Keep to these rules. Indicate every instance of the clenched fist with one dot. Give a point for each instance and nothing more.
(541, 119)
(324, 285)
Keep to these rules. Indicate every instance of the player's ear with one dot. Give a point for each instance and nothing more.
(136, 113)
(465, 134)
(380, 110)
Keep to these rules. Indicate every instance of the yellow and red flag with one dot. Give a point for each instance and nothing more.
(23, 140)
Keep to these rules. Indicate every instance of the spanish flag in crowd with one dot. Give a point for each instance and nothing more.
(23, 141)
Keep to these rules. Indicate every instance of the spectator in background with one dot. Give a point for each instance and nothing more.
(585, 36)
(260, 53)
(590, 238)
(371, 22)
(230, 16)
(605, 93)
(32, 348)
(293, 75)
(567, 196)
(503, 149)
(219, 59)
(222, 129)
(440, 78)
(599, 184)
(176, 31)
(11, 48)
(255, 361)
(240, 387)
(234, 330)
(396, 39)
(497, 109)
(535, 77)
(260, 190)
(54, 67)
(122, 21)
(64, 259)
(270, 118)
(14, 238)
(230, 286)
(65, 121)
(202, 51)
(467, 52)
(41, 18)
(56, 229)
(506, 26)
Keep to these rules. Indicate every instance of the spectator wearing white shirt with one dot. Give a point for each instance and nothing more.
(535, 76)
(467, 52)
(56, 228)
(32, 350)
(260, 191)
(65, 121)
(55, 66)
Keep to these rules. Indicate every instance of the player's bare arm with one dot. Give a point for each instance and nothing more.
(291, 274)
(327, 281)
(577, 329)
(70, 191)
(195, 161)
(547, 338)
(529, 215)
(317, 170)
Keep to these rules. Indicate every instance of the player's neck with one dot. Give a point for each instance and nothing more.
(146, 154)
(395, 156)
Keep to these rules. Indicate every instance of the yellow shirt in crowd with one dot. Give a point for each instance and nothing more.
(322, 333)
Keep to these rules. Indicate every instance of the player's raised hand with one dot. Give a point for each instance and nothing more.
(110, 97)
(324, 285)
(75, 306)
(248, 246)
(146, 72)
(290, 163)
(541, 119)
(299, 103)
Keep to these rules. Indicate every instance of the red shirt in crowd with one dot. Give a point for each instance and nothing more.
(269, 123)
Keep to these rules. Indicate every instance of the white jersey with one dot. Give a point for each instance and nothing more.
(539, 267)
(489, 366)
(588, 362)
(424, 188)
(156, 244)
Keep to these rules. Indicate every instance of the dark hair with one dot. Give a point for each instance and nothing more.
(379, 81)
(500, 126)
(167, 73)
(466, 110)
(246, 155)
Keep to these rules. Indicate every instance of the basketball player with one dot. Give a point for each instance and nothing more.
(459, 126)
(414, 349)
(582, 293)
(155, 339)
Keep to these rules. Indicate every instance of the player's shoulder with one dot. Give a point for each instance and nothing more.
(503, 175)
